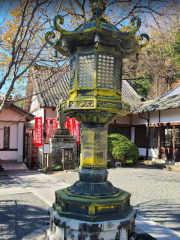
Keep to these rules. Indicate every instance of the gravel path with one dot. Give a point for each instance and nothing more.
(20, 214)
(155, 195)
(155, 192)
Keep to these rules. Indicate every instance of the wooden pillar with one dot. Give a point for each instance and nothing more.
(31, 142)
(147, 136)
(174, 149)
(159, 137)
(24, 140)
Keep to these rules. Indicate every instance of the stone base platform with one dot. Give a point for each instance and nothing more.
(70, 229)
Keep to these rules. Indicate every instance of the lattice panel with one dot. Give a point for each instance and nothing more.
(72, 73)
(86, 71)
(105, 71)
(119, 75)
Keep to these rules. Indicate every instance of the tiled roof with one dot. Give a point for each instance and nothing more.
(58, 86)
(131, 96)
(169, 100)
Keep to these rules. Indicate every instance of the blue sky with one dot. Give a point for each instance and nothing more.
(4, 13)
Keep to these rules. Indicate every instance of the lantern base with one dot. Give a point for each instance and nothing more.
(92, 208)
(93, 182)
(65, 228)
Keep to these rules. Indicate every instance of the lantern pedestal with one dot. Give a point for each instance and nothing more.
(66, 228)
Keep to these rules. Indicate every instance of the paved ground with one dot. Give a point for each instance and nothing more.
(155, 194)
(24, 201)
(20, 214)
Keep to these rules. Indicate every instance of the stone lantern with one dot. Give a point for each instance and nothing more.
(92, 208)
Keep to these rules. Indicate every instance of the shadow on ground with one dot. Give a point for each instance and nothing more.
(21, 214)
(165, 212)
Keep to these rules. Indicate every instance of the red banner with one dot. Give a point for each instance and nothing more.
(74, 127)
(47, 130)
(77, 131)
(71, 127)
(54, 126)
(38, 131)
(68, 123)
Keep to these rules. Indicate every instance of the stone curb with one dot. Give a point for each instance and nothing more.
(169, 167)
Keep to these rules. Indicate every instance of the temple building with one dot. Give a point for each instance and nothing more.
(153, 125)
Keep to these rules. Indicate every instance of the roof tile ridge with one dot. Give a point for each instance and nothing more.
(139, 96)
(170, 91)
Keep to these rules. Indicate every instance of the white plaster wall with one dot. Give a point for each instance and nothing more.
(34, 103)
(170, 115)
(153, 153)
(38, 113)
(132, 134)
(139, 121)
(20, 141)
(154, 117)
(8, 155)
(142, 151)
(124, 120)
(13, 136)
(16, 141)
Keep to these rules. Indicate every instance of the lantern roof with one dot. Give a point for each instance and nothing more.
(97, 30)
(67, 146)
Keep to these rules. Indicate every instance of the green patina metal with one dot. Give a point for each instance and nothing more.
(96, 50)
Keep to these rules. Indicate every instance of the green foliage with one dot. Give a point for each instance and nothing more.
(175, 49)
(57, 168)
(121, 148)
(142, 86)
(19, 103)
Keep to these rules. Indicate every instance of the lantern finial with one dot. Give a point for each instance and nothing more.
(96, 5)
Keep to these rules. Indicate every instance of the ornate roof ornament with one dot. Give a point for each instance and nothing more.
(97, 30)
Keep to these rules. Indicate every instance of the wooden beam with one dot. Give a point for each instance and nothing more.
(162, 124)
(24, 137)
(45, 118)
(9, 150)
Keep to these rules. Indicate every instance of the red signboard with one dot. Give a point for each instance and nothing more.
(47, 130)
(74, 127)
(65, 125)
(38, 131)
(54, 126)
